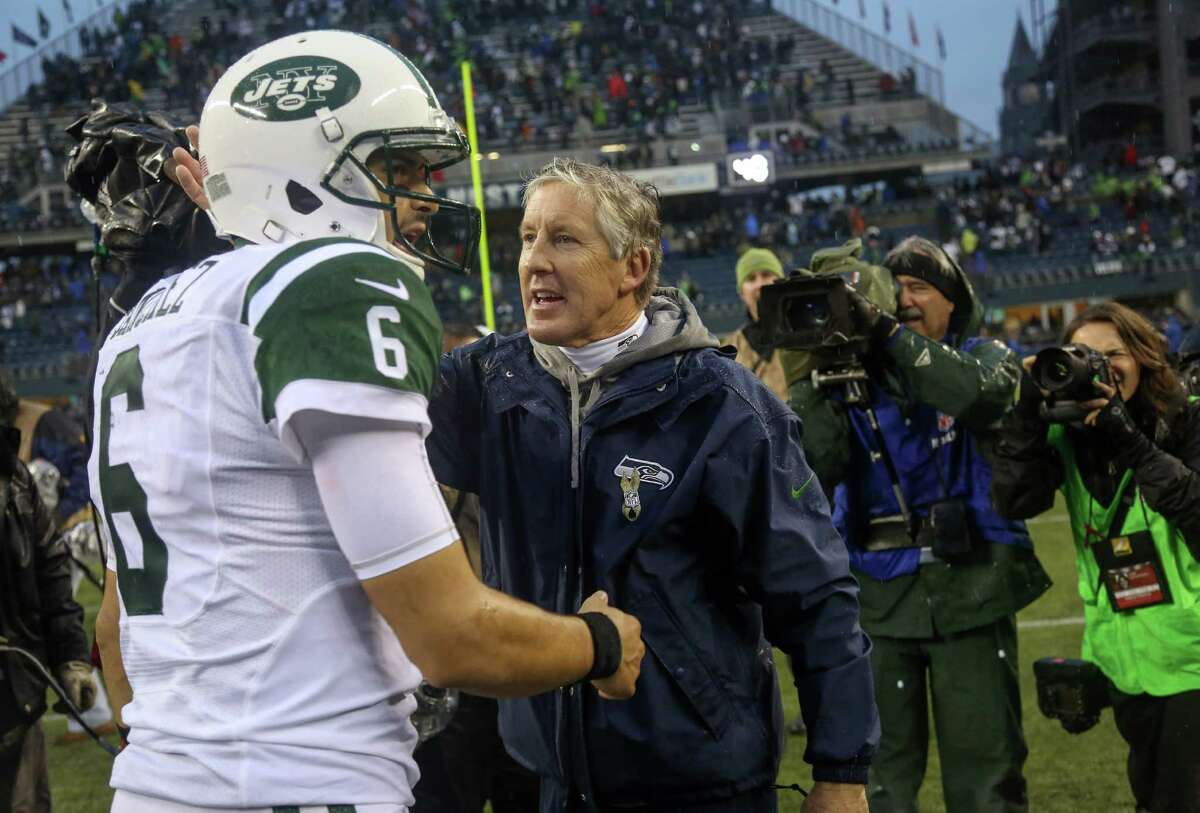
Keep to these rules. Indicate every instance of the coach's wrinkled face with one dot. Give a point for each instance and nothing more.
(574, 292)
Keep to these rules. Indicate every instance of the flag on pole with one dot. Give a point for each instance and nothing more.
(862, 9)
(21, 37)
(43, 25)
(70, 12)
(941, 42)
(887, 18)
(912, 30)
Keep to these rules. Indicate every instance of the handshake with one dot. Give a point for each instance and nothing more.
(617, 648)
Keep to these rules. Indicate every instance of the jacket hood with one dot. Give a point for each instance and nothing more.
(968, 310)
(673, 325)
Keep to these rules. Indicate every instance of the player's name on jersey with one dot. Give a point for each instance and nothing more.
(159, 301)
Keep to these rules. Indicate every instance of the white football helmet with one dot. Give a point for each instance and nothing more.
(287, 131)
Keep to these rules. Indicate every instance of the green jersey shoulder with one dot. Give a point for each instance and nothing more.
(344, 312)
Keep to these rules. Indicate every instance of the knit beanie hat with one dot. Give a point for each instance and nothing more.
(925, 260)
(755, 260)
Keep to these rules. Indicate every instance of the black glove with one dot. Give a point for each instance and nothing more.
(1121, 433)
(870, 320)
(1029, 401)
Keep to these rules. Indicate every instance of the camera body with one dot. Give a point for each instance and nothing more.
(1189, 372)
(1069, 373)
(810, 313)
(1072, 691)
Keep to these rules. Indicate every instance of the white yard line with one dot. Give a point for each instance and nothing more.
(1054, 520)
(1041, 623)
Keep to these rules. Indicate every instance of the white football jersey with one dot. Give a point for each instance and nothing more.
(261, 674)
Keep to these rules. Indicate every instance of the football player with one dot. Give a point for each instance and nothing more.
(285, 567)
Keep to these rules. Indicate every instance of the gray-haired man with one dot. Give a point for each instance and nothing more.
(614, 448)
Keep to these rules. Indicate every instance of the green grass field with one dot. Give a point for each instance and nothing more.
(1065, 772)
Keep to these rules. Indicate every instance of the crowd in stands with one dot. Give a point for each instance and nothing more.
(563, 73)
(46, 304)
(1124, 207)
(564, 70)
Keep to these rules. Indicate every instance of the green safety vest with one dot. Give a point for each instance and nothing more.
(1152, 650)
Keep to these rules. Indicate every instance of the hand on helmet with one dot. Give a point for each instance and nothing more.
(186, 169)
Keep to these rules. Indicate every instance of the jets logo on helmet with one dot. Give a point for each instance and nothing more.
(323, 133)
(293, 88)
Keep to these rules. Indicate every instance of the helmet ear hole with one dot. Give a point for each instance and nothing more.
(301, 199)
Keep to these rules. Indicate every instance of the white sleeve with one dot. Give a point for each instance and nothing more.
(378, 490)
(106, 546)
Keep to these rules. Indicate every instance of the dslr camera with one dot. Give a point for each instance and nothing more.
(1069, 374)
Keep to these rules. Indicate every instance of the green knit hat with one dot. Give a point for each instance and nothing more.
(755, 260)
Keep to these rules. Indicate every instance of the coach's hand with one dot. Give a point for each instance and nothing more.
(621, 684)
(186, 169)
(835, 797)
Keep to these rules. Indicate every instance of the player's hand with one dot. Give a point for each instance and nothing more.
(76, 679)
(621, 684)
(186, 169)
(835, 797)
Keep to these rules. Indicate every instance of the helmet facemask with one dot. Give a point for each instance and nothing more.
(458, 223)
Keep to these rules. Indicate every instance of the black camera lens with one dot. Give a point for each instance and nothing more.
(1057, 369)
(808, 312)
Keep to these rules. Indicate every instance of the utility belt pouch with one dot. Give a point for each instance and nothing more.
(889, 533)
(1131, 571)
(949, 535)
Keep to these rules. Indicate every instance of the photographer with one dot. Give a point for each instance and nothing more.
(1130, 472)
(941, 573)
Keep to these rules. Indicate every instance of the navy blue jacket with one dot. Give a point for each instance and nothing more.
(731, 547)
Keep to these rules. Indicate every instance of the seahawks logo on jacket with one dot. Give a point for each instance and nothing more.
(632, 473)
(648, 471)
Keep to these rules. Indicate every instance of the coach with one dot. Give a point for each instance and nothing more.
(614, 448)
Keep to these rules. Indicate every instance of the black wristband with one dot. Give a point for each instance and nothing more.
(606, 645)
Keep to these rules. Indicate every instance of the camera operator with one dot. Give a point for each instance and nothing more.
(941, 573)
(1130, 472)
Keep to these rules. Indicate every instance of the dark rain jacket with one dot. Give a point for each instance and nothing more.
(936, 404)
(37, 610)
(722, 544)
(1166, 466)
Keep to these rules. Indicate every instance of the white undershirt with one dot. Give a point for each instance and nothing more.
(591, 357)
